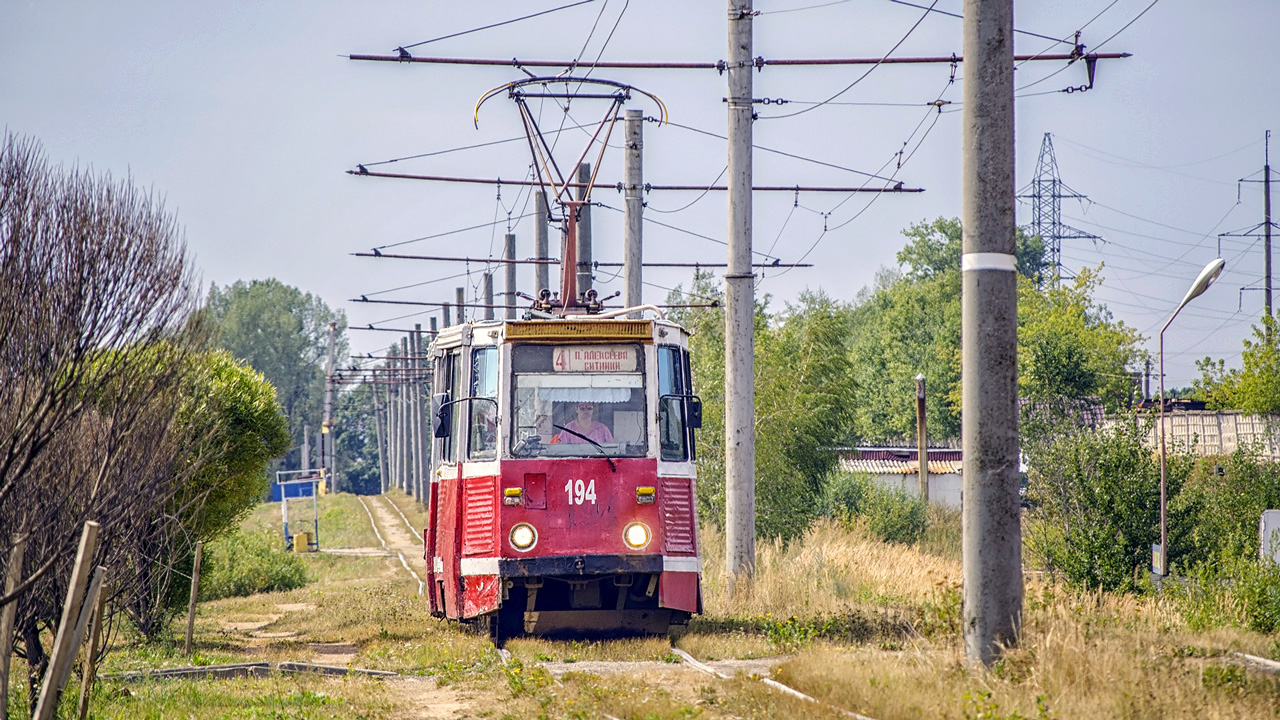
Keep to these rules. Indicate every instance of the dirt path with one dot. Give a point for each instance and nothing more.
(394, 536)
(393, 529)
(421, 698)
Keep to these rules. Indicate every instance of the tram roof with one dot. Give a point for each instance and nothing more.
(580, 329)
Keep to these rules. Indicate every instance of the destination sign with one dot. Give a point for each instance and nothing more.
(596, 358)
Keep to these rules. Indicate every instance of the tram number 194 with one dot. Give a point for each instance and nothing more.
(580, 492)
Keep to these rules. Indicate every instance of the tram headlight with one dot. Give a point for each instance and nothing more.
(636, 535)
(523, 537)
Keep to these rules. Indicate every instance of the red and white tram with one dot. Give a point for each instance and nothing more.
(562, 483)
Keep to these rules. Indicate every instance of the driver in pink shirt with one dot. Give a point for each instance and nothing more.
(587, 425)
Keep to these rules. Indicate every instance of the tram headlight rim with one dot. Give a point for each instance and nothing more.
(532, 537)
(627, 535)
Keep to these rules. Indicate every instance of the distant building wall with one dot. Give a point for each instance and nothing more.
(1220, 432)
(944, 477)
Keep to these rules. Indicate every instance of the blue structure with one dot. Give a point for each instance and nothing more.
(291, 490)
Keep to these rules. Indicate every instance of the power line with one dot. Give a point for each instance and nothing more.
(961, 17)
(861, 77)
(494, 25)
(1126, 25)
(719, 65)
(449, 232)
(898, 188)
(783, 153)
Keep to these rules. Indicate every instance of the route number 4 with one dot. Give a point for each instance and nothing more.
(580, 492)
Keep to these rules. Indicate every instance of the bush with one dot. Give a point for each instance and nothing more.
(244, 563)
(892, 515)
(1096, 495)
(1226, 496)
(1232, 591)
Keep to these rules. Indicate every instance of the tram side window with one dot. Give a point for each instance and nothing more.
(449, 380)
(483, 413)
(673, 385)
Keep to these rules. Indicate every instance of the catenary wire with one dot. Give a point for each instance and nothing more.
(783, 153)
(445, 233)
(861, 77)
(497, 24)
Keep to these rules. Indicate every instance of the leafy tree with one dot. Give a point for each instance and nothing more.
(1226, 496)
(902, 328)
(1069, 347)
(936, 247)
(356, 441)
(282, 333)
(1255, 387)
(235, 408)
(909, 323)
(803, 383)
(228, 428)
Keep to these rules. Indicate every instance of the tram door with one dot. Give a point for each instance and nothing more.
(442, 545)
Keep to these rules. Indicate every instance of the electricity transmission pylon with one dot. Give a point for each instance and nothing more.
(1047, 191)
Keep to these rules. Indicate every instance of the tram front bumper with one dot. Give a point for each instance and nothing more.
(579, 565)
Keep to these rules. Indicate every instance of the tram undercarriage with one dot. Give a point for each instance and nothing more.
(613, 605)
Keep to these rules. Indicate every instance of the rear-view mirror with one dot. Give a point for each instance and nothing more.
(695, 412)
(440, 415)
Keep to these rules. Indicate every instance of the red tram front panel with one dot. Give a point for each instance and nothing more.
(579, 510)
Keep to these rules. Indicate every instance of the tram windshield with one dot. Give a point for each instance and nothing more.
(578, 401)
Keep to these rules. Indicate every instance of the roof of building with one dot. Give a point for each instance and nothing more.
(901, 467)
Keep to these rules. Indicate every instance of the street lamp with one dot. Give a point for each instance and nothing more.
(1160, 556)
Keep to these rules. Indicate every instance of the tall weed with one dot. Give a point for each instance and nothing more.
(890, 514)
(246, 563)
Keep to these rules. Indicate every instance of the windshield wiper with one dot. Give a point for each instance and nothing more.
(600, 447)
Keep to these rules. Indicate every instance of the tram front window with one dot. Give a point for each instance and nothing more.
(578, 401)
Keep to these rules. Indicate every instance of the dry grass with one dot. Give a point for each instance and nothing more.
(1082, 655)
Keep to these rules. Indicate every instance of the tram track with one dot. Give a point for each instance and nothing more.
(687, 660)
(388, 548)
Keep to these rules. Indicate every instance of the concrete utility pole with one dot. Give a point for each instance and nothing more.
(306, 448)
(406, 392)
(584, 231)
(509, 252)
(1266, 217)
(392, 419)
(327, 464)
(922, 438)
(424, 436)
(444, 314)
(415, 419)
(739, 360)
(461, 297)
(991, 601)
(542, 273)
(633, 184)
(379, 426)
(486, 285)
(401, 436)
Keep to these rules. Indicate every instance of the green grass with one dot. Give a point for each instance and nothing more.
(343, 522)
(304, 697)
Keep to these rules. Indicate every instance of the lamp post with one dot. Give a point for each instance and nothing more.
(1160, 560)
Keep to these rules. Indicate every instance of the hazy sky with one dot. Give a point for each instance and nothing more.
(245, 115)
